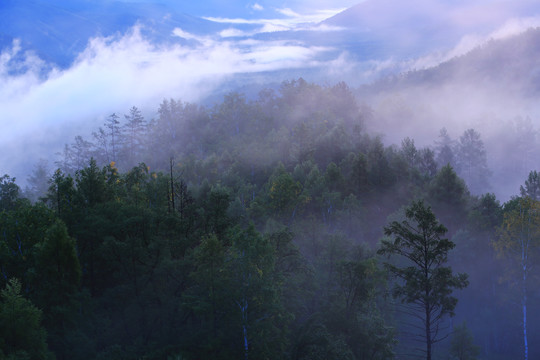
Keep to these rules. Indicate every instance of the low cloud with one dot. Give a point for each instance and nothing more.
(289, 20)
(44, 108)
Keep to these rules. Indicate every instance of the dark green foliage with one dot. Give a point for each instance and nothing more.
(9, 192)
(56, 288)
(532, 186)
(424, 282)
(314, 341)
(486, 214)
(462, 346)
(448, 190)
(449, 196)
(162, 260)
(21, 333)
(235, 298)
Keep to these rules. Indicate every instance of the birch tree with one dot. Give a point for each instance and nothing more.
(518, 243)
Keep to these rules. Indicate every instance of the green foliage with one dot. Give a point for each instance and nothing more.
(164, 263)
(60, 196)
(21, 333)
(449, 196)
(283, 193)
(235, 298)
(423, 281)
(447, 189)
(532, 186)
(314, 341)
(91, 185)
(9, 192)
(487, 213)
(462, 346)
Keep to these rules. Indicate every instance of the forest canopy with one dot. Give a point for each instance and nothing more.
(250, 229)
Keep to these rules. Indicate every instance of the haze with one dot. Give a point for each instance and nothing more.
(44, 104)
(269, 180)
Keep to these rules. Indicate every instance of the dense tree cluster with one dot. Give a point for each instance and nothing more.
(250, 230)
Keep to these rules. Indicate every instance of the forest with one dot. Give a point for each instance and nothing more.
(270, 228)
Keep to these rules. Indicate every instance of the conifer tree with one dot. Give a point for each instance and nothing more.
(424, 283)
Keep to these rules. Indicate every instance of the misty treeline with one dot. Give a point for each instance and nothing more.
(251, 230)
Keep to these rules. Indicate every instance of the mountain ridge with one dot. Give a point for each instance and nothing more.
(57, 32)
(511, 60)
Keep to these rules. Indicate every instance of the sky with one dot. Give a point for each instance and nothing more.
(43, 106)
(240, 8)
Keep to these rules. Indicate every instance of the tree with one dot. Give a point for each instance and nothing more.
(472, 161)
(425, 283)
(134, 130)
(235, 297)
(532, 186)
(284, 194)
(426, 164)
(79, 153)
(60, 195)
(518, 242)
(21, 333)
(38, 181)
(409, 152)
(101, 147)
(449, 196)
(9, 192)
(112, 124)
(255, 294)
(444, 147)
(462, 346)
(56, 280)
(91, 184)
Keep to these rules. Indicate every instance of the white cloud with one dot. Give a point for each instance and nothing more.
(46, 107)
(232, 32)
(185, 35)
(289, 21)
(289, 13)
(516, 26)
(115, 73)
(257, 7)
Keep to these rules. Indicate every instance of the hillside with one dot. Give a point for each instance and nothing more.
(492, 89)
(421, 27)
(278, 203)
(511, 63)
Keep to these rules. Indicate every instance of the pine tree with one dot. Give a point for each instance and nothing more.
(426, 284)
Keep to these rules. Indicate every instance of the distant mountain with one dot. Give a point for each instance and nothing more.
(417, 27)
(512, 64)
(493, 89)
(57, 31)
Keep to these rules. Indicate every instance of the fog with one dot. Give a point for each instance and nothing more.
(43, 105)
(285, 133)
(490, 89)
